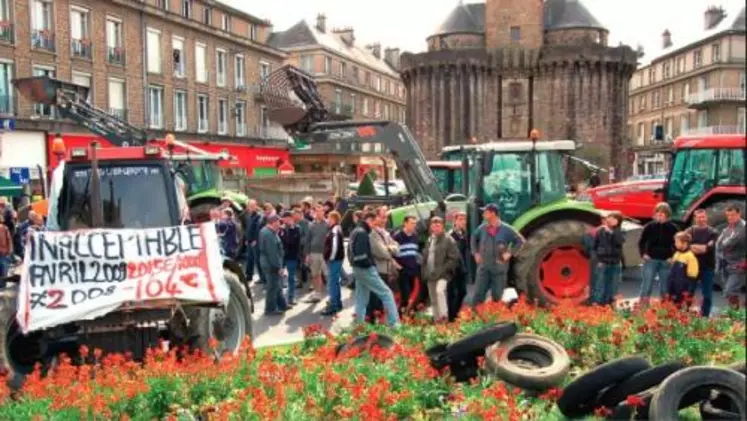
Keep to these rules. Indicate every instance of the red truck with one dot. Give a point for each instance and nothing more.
(707, 172)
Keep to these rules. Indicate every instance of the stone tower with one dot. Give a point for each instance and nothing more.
(513, 22)
(498, 69)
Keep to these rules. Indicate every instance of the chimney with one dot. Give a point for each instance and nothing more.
(391, 56)
(666, 39)
(346, 34)
(375, 49)
(713, 16)
(321, 22)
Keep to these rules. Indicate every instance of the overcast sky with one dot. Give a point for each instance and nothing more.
(406, 23)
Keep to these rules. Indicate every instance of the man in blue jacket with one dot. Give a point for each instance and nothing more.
(367, 279)
(252, 219)
(271, 264)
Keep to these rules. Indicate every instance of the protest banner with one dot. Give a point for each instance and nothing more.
(82, 275)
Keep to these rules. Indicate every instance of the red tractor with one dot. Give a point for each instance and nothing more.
(707, 172)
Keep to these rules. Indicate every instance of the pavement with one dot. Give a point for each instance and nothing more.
(288, 328)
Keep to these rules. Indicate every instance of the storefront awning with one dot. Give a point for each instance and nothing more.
(9, 188)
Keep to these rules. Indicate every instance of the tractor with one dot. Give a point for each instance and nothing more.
(134, 187)
(526, 179)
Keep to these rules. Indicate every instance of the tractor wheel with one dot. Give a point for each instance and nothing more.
(553, 266)
(228, 326)
(18, 352)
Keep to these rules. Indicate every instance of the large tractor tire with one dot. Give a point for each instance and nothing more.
(552, 266)
(18, 352)
(228, 326)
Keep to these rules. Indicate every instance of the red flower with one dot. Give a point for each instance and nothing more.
(635, 401)
(602, 412)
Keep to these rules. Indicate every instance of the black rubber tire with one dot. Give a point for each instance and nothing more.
(536, 247)
(365, 343)
(501, 360)
(710, 412)
(667, 399)
(474, 345)
(198, 330)
(624, 412)
(580, 396)
(638, 383)
(739, 367)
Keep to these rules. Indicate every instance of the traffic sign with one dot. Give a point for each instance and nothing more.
(20, 175)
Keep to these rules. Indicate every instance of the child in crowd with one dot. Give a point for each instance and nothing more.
(684, 271)
(607, 250)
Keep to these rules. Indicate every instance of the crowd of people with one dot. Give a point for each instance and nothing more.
(13, 234)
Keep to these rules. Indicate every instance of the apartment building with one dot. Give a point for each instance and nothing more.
(694, 85)
(188, 67)
(356, 82)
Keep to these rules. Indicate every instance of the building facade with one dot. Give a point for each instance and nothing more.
(188, 67)
(501, 68)
(355, 82)
(693, 85)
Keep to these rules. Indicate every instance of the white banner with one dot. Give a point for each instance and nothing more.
(82, 275)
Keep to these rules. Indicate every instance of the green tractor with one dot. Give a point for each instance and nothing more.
(526, 179)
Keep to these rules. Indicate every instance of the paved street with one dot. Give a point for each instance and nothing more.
(277, 330)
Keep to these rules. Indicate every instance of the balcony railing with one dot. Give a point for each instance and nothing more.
(716, 95)
(45, 111)
(6, 32)
(43, 39)
(119, 113)
(116, 55)
(709, 130)
(81, 48)
(7, 105)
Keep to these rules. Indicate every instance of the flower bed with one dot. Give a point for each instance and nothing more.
(307, 382)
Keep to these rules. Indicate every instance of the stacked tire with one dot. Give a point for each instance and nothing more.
(631, 388)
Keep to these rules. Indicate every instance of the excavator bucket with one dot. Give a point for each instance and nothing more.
(44, 89)
(292, 100)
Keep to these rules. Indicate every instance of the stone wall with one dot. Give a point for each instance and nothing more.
(455, 42)
(501, 15)
(576, 37)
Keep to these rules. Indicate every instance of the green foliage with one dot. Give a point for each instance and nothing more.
(366, 187)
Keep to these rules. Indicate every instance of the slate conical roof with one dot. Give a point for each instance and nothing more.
(465, 18)
(565, 14)
(739, 22)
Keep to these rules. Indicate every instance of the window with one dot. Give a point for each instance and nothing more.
(652, 75)
(386, 111)
(180, 60)
(264, 122)
(352, 104)
(80, 38)
(692, 171)
(83, 79)
(327, 64)
(265, 69)
(239, 66)
(356, 75)
(702, 119)
(731, 167)
(225, 22)
(220, 65)
(6, 89)
(154, 50)
(697, 58)
(653, 128)
(669, 128)
(338, 101)
(202, 114)
(685, 92)
(641, 134)
(222, 116)
(343, 69)
(207, 15)
(667, 70)
(201, 63)
(515, 34)
(187, 8)
(240, 119)
(684, 123)
(387, 87)
(115, 52)
(117, 102)
(670, 95)
(41, 17)
(44, 110)
(704, 83)
(741, 120)
(642, 103)
(378, 84)
(655, 100)
(307, 63)
(377, 109)
(155, 107)
(252, 32)
(680, 65)
(180, 111)
(742, 82)
(716, 53)
(514, 91)
(365, 106)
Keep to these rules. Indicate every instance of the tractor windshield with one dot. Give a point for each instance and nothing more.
(133, 195)
(509, 182)
(199, 175)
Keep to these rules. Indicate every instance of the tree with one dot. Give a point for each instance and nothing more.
(366, 187)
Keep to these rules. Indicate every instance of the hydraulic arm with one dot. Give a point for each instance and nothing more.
(294, 102)
(70, 100)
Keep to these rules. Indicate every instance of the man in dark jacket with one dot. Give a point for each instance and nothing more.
(367, 279)
(271, 263)
(408, 256)
(290, 235)
(703, 246)
(608, 244)
(456, 290)
(656, 246)
(440, 263)
(251, 222)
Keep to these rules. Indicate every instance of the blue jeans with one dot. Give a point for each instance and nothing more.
(291, 265)
(653, 269)
(706, 288)
(252, 258)
(607, 277)
(368, 281)
(490, 278)
(4, 265)
(333, 284)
